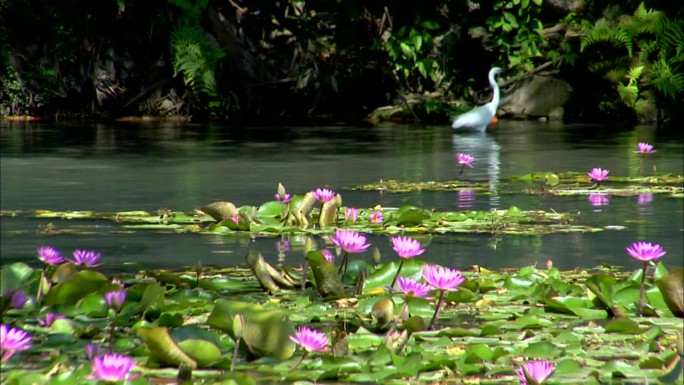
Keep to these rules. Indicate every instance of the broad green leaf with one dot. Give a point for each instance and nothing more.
(542, 350)
(15, 276)
(622, 325)
(76, 287)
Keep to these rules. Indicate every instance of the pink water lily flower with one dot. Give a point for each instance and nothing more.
(112, 367)
(645, 251)
(328, 255)
(50, 256)
(412, 288)
(86, 258)
(13, 340)
(309, 339)
(407, 247)
(323, 195)
(537, 371)
(350, 214)
(376, 217)
(442, 278)
(644, 148)
(350, 241)
(465, 159)
(598, 174)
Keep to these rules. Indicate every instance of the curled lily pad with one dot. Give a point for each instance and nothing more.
(265, 333)
(325, 274)
(328, 214)
(220, 210)
(163, 348)
(672, 288)
(265, 273)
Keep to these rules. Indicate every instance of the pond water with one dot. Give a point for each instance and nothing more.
(121, 167)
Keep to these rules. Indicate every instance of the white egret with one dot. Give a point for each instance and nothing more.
(478, 118)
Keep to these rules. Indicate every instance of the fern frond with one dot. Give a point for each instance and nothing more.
(603, 33)
(667, 81)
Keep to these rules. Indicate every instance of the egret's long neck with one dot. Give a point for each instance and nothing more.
(495, 87)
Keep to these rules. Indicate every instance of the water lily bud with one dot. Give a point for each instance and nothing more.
(383, 311)
(281, 190)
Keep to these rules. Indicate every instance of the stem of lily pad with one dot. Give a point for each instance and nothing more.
(235, 354)
(641, 290)
(440, 302)
(462, 167)
(111, 334)
(641, 164)
(39, 295)
(401, 263)
(343, 265)
(306, 352)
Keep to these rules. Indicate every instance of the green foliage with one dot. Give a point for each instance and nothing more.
(410, 48)
(195, 59)
(640, 53)
(516, 28)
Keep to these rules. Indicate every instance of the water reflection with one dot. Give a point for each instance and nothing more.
(487, 159)
(465, 199)
(598, 200)
(644, 204)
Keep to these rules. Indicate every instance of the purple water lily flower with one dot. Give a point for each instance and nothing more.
(283, 199)
(86, 258)
(309, 339)
(323, 195)
(112, 367)
(645, 251)
(17, 298)
(115, 299)
(537, 371)
(50, 256)
(412, 288)
(13, 340)
(49, 319)
(235, 219)
(93, 350)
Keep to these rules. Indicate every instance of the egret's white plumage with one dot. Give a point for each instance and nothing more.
(478, 118)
